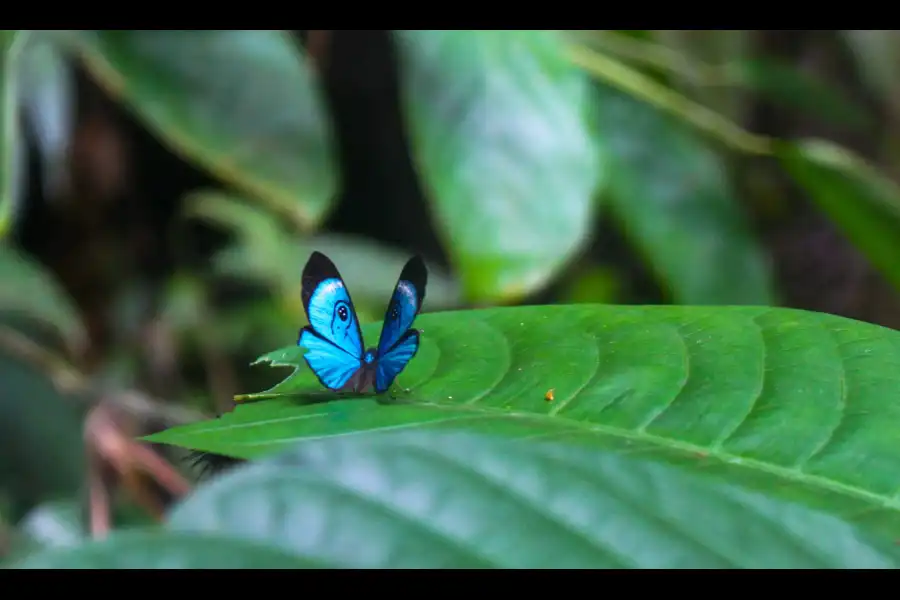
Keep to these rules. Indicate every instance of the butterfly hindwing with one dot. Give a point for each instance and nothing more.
(404, 305)
(332, 366)
(395, 360)
(333, 338)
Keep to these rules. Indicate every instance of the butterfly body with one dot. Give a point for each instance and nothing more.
(336, 350)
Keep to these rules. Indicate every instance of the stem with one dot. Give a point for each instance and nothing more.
(636, 83)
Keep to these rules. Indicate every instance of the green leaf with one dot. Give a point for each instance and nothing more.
(673, 198)
(245, 104)
(165, 550)
(28, 290)
(499, 131)
(862, 202)
(795, 403)
(430, 500)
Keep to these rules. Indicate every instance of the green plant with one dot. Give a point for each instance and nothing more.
(765, 438)
(678, 436)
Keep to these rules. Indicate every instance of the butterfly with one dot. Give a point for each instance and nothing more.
(336, 352)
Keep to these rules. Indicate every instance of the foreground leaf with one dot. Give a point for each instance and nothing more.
(671, 193)
(800, 404)
(862, 202)
(243, 103)
(163, 550)
(429, 500)
(500, 135)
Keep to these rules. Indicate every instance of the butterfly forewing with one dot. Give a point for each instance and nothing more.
(404, 305)
(333, 338)
(329, 307)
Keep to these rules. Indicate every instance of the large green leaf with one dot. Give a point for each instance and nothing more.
(499, 131)
(862, 202)
(801, 404)
(163, 550)
(672, 196)
(243, 103)
(423, 499)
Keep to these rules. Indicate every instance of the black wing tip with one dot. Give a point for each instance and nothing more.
(416, 272)
(318, 266)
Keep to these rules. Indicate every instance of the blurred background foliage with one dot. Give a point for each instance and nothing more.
(161, 190)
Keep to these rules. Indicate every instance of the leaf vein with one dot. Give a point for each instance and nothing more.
(823, 445)
(719, 443)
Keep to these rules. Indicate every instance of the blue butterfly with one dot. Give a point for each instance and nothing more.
(336, 352)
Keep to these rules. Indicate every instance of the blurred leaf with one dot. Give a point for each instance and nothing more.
(798, 404)
(624, 78)
(47, 92)
(433, 500)
(499, 130)
(673, 198)
(162, 550)
(264, 251)
(877, 52)
(26, 289)
(12, 155)
(713, 65)
(785, 83)
(59, 523)
(245, 104)
(594, 285)
(41, 455)
(701, 50)
(862, 202)
(63, 523)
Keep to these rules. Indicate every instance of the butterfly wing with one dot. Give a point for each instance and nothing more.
(396, 359)
(398, 343)
(405, 303)
(333, 338)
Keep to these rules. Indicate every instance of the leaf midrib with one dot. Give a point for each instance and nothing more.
(790, 474)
